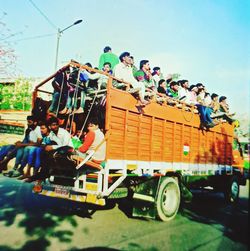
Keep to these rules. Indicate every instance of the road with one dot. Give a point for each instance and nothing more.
(33, 222)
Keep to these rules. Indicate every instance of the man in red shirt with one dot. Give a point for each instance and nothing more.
(94, 141)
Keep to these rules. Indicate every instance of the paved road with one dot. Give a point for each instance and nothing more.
(33, 222)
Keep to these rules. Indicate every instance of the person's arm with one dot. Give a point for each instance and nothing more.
(93, 76)
(89, 139)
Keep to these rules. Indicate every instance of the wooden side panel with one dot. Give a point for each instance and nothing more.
(147, 137)
(168, 147)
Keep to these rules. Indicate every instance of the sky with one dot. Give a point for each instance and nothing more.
(205, 41)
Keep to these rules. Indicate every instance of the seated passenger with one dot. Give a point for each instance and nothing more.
(108, 57)
(60, 93)
(124, 72)
(144, 75)
(172, 91)
(162, 88)
(36, 153)
(157, 75)
(94, 140)
(101, 78)
(224, 107)
(8, 152)
(132, 64)
(204, 111)
(34, 138)
(183, 91)
(61, 142)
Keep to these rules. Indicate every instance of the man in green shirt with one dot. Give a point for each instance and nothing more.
(108, 57)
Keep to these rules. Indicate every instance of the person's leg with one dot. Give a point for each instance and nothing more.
(7, 153)
(82, 103)
(4, 150)
(55, 101)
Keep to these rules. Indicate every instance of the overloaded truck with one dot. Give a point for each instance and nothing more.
(154, 155)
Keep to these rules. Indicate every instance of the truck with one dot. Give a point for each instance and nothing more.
(155, 156)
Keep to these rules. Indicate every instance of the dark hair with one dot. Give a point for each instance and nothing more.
(107, 63)
(183, 82)
(214, 95)
(157, 68)
(200, 85)
(43, 123)
(222, 98)
(173, 83)
(52, 120)
(143, 62)
(191, 87)
(161, 81)
(93, 121)
(107, 49)
(30, 117)
(89, 65)
(124, 54)
(132, 57)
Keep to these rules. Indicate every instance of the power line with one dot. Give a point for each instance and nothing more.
(34, 37)
(48, 20)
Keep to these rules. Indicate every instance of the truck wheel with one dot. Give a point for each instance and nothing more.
(232, 190)
(168, 199)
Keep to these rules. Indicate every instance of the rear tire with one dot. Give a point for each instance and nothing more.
(168, 199)
(232, 190)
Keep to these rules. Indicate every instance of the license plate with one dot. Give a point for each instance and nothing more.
(62, 192)
(91, 198)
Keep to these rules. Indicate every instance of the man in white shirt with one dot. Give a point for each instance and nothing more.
(183, 92)
(34, 138)
(124, 72)
(59, 135)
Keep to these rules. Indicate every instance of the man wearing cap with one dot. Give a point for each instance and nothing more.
(109, 57)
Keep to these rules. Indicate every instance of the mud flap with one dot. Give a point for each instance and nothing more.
(144, 199)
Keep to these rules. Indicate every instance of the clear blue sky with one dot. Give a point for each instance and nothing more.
(205, 41)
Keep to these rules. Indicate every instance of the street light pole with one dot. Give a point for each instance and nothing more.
(59, 34)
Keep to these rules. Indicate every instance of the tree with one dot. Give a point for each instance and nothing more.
(17, 96)
(7, 53)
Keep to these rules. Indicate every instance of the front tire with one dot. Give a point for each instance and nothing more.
(168, 199)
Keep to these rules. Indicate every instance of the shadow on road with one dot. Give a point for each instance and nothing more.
(41, 217)
(210, 208)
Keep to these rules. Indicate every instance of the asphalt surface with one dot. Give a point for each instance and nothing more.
(34, 222)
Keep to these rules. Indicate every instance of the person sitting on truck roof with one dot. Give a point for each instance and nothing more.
(204, 111)
(132, 64)
(172, 90)
(183, 91)
(144, 75)
(224, 107)
(157, 75)
(101, 78)
(94, 140)
(124, 72)
(109, 57)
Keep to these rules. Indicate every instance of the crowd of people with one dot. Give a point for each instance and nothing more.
(40, 144)
(74, 87)
(145, 84)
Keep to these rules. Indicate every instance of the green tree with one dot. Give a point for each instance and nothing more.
(17, 96)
